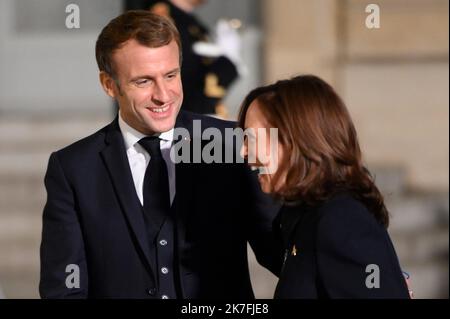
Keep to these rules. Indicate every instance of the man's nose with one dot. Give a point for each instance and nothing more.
(161, 94)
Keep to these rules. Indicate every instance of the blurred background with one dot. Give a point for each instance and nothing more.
(395, 81)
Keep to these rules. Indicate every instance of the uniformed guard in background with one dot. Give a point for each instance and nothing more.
(209, 68)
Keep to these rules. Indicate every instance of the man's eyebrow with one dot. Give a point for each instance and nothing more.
(176, 70)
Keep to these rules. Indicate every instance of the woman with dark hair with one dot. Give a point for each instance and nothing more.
(333, 221)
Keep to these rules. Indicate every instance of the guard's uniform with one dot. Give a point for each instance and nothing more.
(205, 80)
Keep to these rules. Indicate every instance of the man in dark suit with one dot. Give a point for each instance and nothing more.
(123, 220)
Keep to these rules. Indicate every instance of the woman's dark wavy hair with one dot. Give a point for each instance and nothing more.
(322, 153)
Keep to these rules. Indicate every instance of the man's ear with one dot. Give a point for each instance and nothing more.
(108, 84)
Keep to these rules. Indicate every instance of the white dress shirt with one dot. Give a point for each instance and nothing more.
(138, 157)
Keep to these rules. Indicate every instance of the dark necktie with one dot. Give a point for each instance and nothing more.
(156, 186)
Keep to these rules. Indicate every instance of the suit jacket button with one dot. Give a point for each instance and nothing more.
(151, 291)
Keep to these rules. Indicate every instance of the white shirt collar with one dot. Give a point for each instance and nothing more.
(131, 136)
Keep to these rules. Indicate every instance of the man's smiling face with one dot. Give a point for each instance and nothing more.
(147, 86)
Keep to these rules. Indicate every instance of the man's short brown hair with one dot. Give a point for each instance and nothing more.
(148, 29)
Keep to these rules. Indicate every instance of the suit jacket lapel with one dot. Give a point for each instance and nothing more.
(187, 176)
(184, 184)
(115, 158)
(184, 199)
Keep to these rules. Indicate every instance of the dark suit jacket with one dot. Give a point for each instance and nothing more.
(93, 219)
(334, 243)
